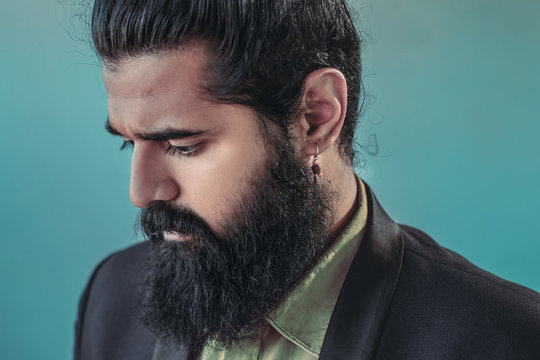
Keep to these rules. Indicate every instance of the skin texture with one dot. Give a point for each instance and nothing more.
(153, 93)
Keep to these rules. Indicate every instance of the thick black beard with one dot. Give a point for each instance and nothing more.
(221, 288)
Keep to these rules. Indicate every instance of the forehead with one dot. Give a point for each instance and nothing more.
(157, 74)
(152, 92)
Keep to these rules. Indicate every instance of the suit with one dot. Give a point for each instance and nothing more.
(404, 297)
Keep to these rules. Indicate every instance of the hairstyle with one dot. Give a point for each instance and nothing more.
(261, 50)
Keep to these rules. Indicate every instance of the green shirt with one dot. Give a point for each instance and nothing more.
(297, 326)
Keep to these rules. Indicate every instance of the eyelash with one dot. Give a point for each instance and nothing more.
(171, 150)
(182, 150)
(127, 144)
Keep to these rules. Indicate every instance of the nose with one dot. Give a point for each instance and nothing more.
(151, 179)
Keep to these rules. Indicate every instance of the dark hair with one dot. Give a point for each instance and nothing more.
(261, 49)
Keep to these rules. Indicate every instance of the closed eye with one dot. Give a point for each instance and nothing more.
(171, 149)
(191, 150)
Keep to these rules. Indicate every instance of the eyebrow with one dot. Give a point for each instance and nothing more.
(158, 136)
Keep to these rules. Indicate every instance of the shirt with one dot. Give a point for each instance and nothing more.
(296, 328)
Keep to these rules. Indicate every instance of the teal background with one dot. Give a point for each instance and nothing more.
(454, 103)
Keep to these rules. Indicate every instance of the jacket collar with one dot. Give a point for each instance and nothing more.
(365, 297)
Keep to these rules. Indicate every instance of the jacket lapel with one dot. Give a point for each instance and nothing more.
(360, 311)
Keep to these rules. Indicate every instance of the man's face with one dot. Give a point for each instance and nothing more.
(187, 150)
(235, 219)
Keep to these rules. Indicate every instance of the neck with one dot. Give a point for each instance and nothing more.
(347, 202)
(341, 181)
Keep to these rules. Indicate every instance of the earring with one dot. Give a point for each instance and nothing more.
(315, 167)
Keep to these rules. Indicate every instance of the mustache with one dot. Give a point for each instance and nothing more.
(163, 216)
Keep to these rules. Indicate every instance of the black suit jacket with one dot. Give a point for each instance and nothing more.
(405, 297)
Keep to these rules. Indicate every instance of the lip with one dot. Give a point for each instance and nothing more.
(174, 236)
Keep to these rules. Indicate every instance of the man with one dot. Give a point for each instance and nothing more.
(263, 243)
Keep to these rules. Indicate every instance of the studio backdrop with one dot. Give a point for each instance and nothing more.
(452, 103)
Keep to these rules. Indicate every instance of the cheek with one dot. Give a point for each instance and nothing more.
(211, 182)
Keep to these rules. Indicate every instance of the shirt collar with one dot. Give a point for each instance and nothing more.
(303, 316)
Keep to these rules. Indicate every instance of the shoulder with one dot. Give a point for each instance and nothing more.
(422, 251)
(121, 267)
(442, 302)
(120, 275)
(108, 323)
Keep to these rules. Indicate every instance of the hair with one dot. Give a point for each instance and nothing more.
(260, 50)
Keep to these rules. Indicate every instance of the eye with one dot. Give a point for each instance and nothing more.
(127, 144)
(183, 150)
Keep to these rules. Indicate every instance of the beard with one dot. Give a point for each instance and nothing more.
(221, 287)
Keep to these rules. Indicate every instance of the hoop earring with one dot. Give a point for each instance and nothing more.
(314, 166)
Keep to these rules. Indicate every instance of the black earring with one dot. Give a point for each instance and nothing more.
(314, 166)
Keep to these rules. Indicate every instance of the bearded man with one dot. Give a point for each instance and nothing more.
(262, 241)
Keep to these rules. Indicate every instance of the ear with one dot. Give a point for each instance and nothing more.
(325, 102)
